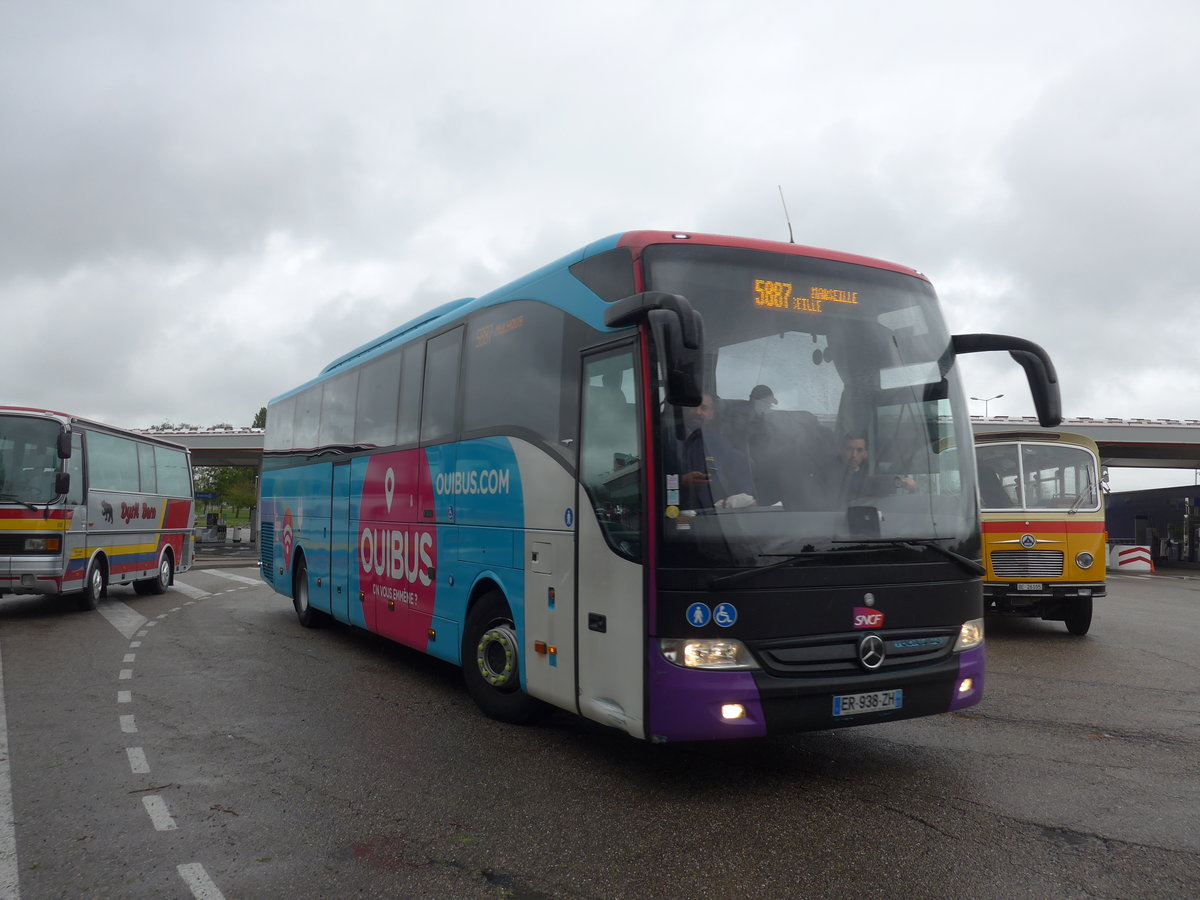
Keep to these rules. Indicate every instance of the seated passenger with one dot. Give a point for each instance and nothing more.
(713, 473)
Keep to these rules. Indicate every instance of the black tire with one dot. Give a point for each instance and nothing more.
(1078, 615)
(309, 617)
(492, 663)
(95, 584)
(160, 582)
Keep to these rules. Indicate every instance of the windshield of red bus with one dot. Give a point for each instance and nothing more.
(832, 413)
(28, 459)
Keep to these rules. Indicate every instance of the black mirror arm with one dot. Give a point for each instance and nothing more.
(1039, 369)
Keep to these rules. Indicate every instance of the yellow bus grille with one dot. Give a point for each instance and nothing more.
(1027, 563)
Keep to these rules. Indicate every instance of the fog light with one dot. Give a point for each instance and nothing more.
(966, 685)
(733, 711)
(1084, 560)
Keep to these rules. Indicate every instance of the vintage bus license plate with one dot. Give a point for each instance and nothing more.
(875, 701)
(1022, 586)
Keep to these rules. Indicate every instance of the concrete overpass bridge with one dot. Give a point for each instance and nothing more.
(1139, 443)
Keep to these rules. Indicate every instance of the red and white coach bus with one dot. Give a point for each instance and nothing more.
(85, 505)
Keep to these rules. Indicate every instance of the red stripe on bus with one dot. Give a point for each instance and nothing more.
(1092, 527)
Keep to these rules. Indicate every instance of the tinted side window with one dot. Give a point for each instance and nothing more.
(112, 463)
(307, 421)
(514, 369)
(174, 479)
(378, 394)
(338, 399)
(409, 431)
(149, 477)
(280, 425)
(439, 399)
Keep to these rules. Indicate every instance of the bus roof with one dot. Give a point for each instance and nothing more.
(69, 419)
(554, 283)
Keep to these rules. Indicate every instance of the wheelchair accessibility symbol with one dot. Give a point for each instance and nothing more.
(725, 614)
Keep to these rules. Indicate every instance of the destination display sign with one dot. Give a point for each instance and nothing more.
(810, 299)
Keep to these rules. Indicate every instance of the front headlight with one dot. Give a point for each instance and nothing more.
(42, 545)
(707, 653)
(969, 635)
(1084, 560)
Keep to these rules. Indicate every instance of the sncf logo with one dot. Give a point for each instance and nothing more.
(867, 618)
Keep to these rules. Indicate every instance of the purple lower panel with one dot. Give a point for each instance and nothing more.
(970, 665)
(685, 704)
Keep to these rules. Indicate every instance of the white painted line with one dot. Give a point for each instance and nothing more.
(176, 608)
(121, 617)
(159, 814)
(188, 591)
(163, 616)
(124, 696)
(130, 657)
(133, 645)
(127, 725)
(150, 624)
(137, 761)
(198, 882)
(10, 872)
(141, 633)
(242, 579)
(125, 675)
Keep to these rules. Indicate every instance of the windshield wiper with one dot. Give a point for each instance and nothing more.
(932, 543)
(13, 498)
(789, 559)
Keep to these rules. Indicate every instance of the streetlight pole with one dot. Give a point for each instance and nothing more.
(985, 401)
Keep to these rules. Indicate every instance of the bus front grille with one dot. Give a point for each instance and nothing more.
(838, 654)
(1027, 563)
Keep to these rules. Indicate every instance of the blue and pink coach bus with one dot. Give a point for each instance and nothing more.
(617, 486)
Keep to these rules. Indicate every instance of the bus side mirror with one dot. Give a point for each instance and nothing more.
(678, 332)
(1039, 370)
(62, 482)
(64, 445)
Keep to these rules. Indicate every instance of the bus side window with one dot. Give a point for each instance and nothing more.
(75, 470)
(609, 462)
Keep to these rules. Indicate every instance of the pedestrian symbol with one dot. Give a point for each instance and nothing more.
(699, 615)
(725, 614)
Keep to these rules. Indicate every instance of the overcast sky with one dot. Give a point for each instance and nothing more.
(202, 204)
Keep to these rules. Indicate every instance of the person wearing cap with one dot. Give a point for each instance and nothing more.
(762, 398)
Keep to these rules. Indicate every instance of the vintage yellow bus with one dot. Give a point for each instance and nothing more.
(1042, 508)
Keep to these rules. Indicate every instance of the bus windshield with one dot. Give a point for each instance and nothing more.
(831, 417)
(1033, 476)
(28, 459)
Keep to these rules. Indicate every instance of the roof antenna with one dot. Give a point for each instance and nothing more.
(791, 237)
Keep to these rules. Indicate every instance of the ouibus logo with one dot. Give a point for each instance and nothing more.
(397, 554)
(867, 618)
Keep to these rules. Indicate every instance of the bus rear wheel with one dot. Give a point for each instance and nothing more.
(160, 582)
(1078, 615)
(492, 662)
(309, 617)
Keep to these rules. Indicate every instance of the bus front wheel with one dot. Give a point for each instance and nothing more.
(1078, 615)
(94, 583)
(492, 662)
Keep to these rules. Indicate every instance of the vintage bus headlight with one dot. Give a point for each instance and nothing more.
(707, 653)
(43, 545)
(1084, 560)
(970, 635)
